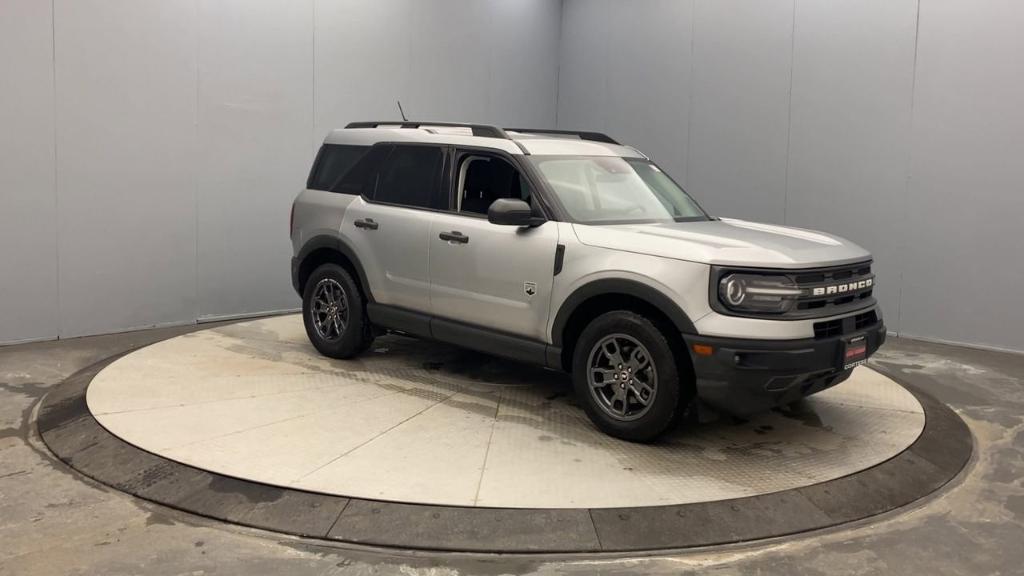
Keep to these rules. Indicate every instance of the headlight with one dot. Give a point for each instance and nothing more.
(758, 293)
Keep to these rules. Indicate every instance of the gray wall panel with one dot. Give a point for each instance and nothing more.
(853, 71)
(816, 114)
(126, 111)
(522, 44)
(583, 65)
(255, 107)
(445, 77)
(702, 87)
(739, 118)
(964, 264)
(459, 60)
(157, 170)
(185, 129)
(348, 88)
(623, 60)
(28, 231)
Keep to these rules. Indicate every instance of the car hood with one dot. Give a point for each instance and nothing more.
(726, 242)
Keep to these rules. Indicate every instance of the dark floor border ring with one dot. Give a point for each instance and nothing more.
(71, 432)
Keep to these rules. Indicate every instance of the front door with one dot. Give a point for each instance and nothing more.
(488, 275)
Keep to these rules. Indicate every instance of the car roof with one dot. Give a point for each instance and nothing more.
(514, 141)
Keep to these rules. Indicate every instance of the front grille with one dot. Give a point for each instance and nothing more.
(842, 326)
(838, 287)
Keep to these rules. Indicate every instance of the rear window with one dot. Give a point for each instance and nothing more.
(332, 163)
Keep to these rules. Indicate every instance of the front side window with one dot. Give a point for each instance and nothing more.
(613, 190)
(411, 176)
(484, 179)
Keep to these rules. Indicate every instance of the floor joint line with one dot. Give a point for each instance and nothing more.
(335, 523)
(487, 451)
(593, 524)
(358, 446)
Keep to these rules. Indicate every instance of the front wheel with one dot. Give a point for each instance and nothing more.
(334, 313)
(626, 376)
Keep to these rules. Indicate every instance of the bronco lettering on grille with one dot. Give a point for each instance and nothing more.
(842, 288)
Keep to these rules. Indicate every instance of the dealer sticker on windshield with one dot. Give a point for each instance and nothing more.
(856, 352)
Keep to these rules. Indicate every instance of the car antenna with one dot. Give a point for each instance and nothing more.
(400, 111)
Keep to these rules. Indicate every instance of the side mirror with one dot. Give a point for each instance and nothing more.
(512, 212)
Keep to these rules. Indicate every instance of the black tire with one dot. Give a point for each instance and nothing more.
(348, 334)
(609, 406)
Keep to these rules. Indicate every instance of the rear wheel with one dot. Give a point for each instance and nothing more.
(334, 313)
(626, 376)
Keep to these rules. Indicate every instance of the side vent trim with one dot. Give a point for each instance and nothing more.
(559, 259)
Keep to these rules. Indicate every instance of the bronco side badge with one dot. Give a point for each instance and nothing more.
(530, 288)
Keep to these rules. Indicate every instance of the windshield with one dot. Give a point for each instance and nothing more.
(613, 190)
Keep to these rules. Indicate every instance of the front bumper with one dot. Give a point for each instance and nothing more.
(742, 377)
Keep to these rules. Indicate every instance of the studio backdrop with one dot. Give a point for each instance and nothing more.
(150, 149)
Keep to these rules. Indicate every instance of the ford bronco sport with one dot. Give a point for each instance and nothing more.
(571, 251)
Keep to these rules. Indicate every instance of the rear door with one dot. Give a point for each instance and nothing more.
(497, 277)
(388, 226)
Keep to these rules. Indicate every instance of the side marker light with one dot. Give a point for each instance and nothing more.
(703, 350)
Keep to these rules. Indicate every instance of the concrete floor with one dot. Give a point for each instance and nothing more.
(54, 522)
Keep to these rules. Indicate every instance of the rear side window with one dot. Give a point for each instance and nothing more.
(332, 163)
(361, 178)
(411, 176)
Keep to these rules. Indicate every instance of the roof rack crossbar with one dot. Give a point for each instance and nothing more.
(484, 130)
(592, 136)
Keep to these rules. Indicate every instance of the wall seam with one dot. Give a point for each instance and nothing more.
(789, 116)
(312, 129)
(559, 48)
(908, 171)
(689, 104)
(487, 111)
(197, 307)
(606, 29)
(59, 320)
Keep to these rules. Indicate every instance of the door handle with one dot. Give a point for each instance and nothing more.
(367, 223)
(454, 236)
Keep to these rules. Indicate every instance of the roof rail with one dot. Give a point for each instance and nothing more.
(593, 136)
(487, 130)
(484, 130)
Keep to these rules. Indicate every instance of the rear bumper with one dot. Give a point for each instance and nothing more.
(742, 377)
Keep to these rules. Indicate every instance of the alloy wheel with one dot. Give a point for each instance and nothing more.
(622, 377)
(329, 309)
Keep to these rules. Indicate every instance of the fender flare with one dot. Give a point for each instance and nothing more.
(633, 288)
(324, 241)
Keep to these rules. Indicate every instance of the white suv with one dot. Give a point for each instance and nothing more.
(569, 250)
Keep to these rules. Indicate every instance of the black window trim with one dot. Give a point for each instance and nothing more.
(315, 168)
(454, 194)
